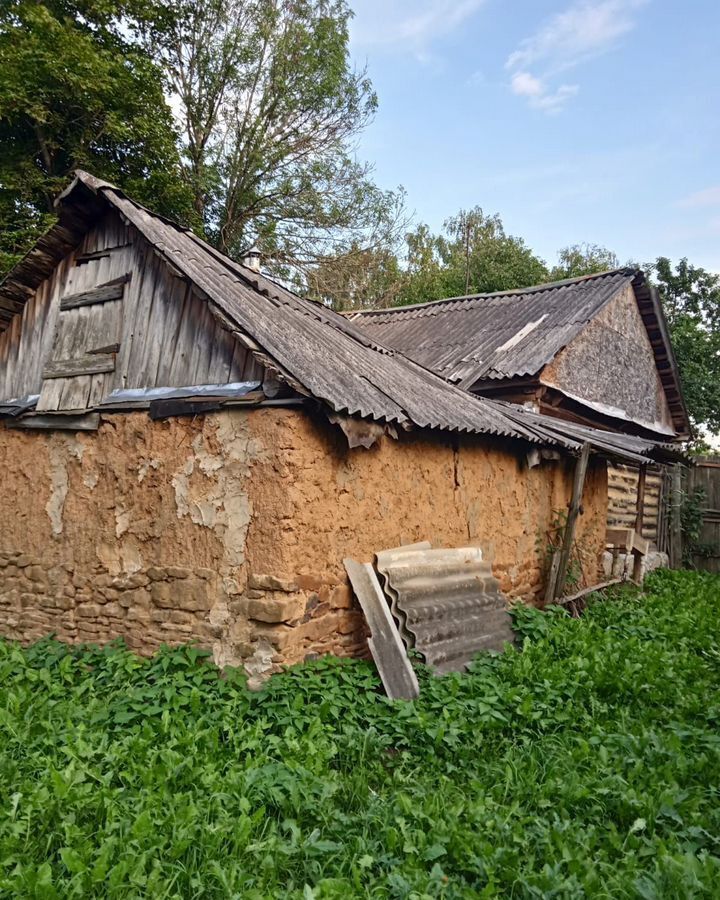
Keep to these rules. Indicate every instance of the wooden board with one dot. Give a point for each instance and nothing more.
(92, 364)
(386, 646)
(111, 290)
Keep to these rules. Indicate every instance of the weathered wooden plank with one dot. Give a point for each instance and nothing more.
(386, 646)
(81, 365)
(81, 258)
(111, 290)
(108, 348)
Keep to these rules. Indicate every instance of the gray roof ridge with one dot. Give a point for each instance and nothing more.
(431, 305)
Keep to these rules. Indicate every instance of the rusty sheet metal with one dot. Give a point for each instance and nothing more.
(447, 603)
(313, 348)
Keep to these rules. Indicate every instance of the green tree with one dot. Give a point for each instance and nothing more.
(583, 259)
(76, 92)
(691, 300)
(473, 255)
(361, 278)
(270, 109)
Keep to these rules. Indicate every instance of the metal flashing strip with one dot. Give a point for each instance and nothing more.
(143, 397)
(16, 406)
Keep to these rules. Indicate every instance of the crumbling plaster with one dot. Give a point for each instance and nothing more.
(230, 529)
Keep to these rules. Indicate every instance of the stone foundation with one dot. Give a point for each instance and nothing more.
(230, 529)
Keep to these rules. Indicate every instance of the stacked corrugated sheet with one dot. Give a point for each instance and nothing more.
(446, 602)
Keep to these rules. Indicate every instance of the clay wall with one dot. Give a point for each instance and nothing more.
(230, 529)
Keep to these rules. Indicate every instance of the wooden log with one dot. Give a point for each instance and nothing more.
(388, 651)
(92, 364)
(112, 290)
(573, 512)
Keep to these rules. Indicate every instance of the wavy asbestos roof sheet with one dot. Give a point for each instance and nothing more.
(316, 350)
(502, 335)
(447, 603)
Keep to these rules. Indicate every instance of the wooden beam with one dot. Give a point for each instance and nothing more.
(92, 364)
(591, 590)
(552, 577)
(573, 512)
(112, 290)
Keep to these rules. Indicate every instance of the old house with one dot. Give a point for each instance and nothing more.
(190, 450)
(593, 350)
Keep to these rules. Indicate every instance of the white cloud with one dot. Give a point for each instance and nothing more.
(707, 197)
(585, 30)
(538, 94)
(408, 24)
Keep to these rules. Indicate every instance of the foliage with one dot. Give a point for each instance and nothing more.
(360, 278)
(270, 110)
(691, 301)
(75, 93)
(550, 543)
(583, 259)
(585, 765)
(473, 255)
(691, 521)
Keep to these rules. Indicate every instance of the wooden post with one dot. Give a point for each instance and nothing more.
(640, 503)
(639, 513)
(675, 524)
(573, 512)
(552, 577)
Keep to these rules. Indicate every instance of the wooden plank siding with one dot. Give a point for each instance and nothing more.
(151, 324)
(705, 474)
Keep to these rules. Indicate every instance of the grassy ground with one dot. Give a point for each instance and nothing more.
(585, 764)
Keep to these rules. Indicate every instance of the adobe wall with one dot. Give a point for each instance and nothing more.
(230, 529)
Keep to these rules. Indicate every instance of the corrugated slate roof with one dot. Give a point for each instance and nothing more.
(316, 350)
(515, 334)
(503, 335)
(446, 602)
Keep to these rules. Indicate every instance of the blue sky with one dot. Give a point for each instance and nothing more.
(576, 121)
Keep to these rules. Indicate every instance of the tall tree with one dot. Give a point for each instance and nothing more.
(691, 300)
(76, 92)
(474, 254)
(270, 110)
(583, 259)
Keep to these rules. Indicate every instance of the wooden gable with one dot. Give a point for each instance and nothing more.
(112, 316)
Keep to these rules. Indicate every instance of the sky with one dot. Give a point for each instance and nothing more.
(593, 121)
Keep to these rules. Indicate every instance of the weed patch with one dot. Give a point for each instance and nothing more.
(585, 763)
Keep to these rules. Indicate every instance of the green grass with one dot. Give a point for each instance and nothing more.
(586, 763)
